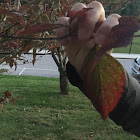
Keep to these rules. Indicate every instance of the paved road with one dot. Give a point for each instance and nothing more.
(127, 64)
(46, 67)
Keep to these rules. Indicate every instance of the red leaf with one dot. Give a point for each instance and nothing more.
(27, 47)
(17, 17)
(24, 8)
(121, 35)
(15, 65)
(3, 9)
(12, 102)
(41, 27)
(73, 14)
(19, 33)
(103, 85)
(12, 44)
(52, 47)
(11, 64)
(7, 93)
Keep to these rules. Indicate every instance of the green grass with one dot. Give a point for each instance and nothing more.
(43, 114)
(3, 70)
(135, 47)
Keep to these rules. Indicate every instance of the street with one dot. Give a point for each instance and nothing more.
(46, 67)
(127, 64)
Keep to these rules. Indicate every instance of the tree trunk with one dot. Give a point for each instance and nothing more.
(61, 64)
(64, 87)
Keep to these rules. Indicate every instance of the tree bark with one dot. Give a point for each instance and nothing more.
(64, 87)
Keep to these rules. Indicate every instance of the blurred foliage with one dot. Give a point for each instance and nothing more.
(132, 10)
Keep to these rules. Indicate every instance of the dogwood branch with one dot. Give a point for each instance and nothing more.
(34, 38)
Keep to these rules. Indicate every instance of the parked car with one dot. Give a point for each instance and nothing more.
(136, 68)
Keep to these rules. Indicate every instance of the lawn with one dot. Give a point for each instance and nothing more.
(135, 47)
(41, 113)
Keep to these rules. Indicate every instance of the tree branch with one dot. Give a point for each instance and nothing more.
(56, 61)
(33, 38)
(10, 28)
(59, 57)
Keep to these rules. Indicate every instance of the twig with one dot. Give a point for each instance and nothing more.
(35, 38)
(56, 60)
(9, 28)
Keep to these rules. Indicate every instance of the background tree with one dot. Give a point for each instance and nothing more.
(17, 38)
(132, 10)
(27, 25)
